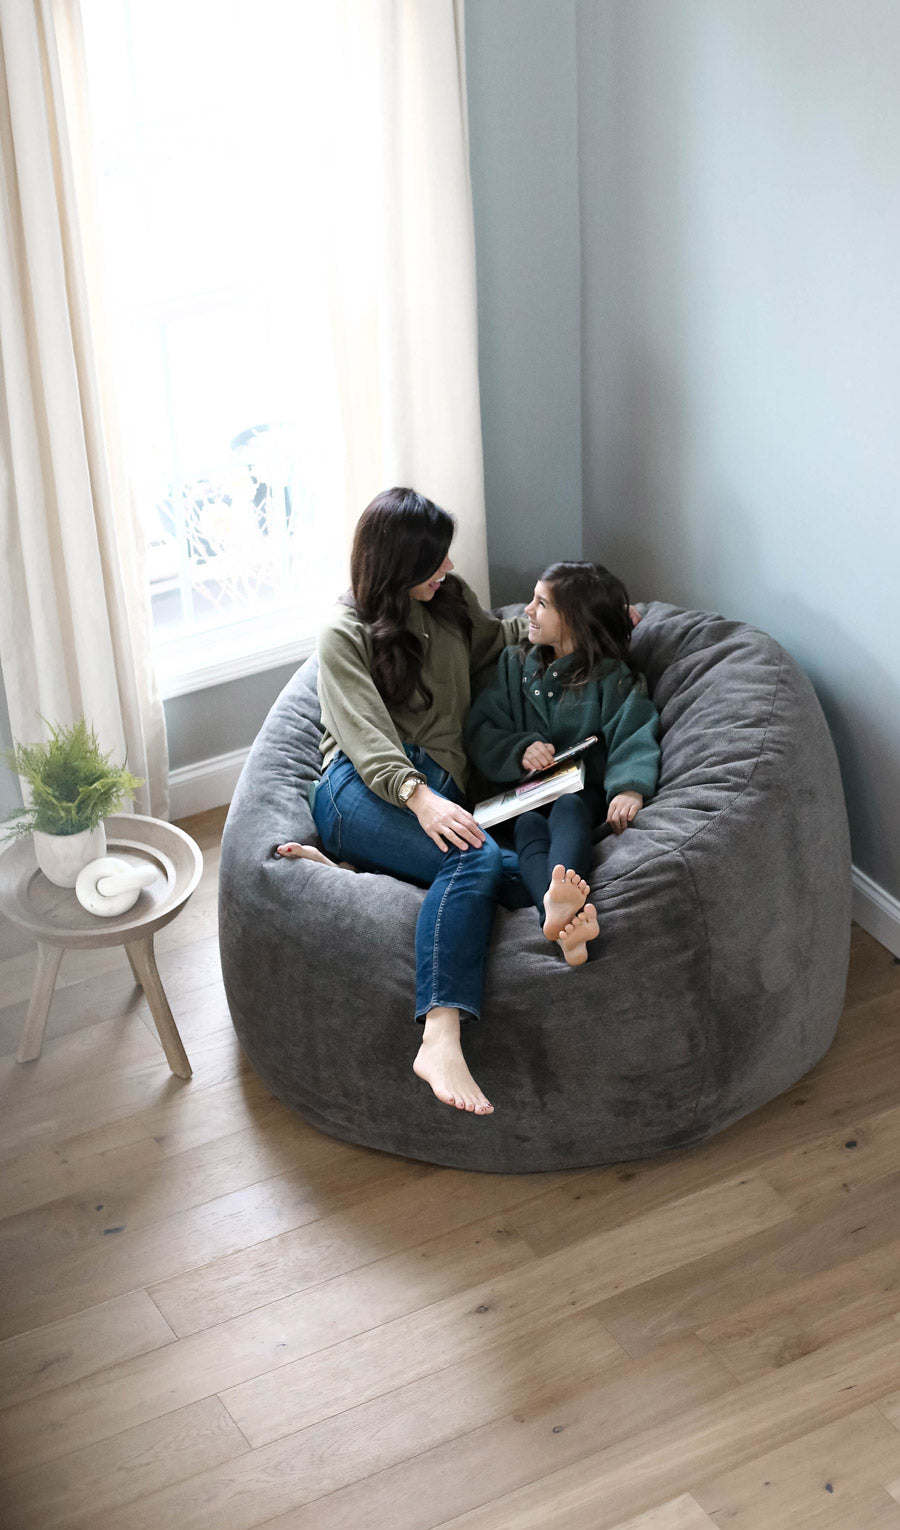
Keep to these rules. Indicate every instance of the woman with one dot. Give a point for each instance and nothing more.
(395, 661)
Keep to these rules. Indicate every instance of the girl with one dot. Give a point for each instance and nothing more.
(573, 677)
(395, 661)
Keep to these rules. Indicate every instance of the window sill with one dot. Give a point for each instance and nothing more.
(202, 660)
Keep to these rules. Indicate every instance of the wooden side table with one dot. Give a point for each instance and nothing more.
(57, 921)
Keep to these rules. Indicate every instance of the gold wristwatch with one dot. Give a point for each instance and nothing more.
(408, 786)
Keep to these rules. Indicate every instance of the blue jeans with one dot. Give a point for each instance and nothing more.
(453, 929)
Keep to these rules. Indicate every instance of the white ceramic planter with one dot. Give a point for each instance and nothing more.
(61, 856)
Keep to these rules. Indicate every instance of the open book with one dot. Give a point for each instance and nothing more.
(530, 794)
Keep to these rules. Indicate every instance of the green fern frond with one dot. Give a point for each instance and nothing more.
(72, 784)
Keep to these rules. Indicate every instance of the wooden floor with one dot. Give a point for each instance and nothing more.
(215, 1318)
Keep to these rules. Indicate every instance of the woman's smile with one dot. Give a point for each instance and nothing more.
(429, 587)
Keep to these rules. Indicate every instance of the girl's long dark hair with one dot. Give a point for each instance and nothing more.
(593, 605)
(401, 539)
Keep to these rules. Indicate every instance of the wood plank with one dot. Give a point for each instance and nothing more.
(872, 1510)
(113, 1045)
(549, 1365)
(404, 1218)
(72, 1166)
(796, 1318)
(17, 972)
(682, 1513)
(209, 1108)
(712, 1287)
(873, 970)
(111, 1090)
(131, 1393)
(527, 1443)
(125, 1154)
(111, 995)
(334, 1175)
(49, 1357)
(356, 1369)
(106, 1479)
(508, 1388)
(206, 827)
(672, 1458)
(103, 1255)
(823, 1471)
(841, 1161)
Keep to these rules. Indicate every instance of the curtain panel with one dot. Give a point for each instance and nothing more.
(400, 274)
(74, 620)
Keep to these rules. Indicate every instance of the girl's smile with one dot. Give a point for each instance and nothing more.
(545, 625)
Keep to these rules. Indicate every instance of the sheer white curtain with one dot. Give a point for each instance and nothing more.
(74, 618)
(401, 255)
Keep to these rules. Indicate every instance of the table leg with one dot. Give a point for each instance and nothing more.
(143, 963)
(134, 970)
(49, 958)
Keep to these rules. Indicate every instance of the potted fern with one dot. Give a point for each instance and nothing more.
(73, 787)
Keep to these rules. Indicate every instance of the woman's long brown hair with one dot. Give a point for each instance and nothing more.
(401, 539)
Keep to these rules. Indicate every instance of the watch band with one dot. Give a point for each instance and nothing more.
(408, 786)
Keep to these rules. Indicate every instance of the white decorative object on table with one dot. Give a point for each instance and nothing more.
(61, 856)
(110, 886)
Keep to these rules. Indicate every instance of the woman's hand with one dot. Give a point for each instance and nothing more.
(444, 820)
(622, 810)
(538, 756)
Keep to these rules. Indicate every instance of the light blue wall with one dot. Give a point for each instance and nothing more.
(736, 224)
(751, 454)
(205, 724)
(520, 61)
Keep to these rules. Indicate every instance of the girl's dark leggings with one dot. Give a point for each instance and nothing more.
(557, 835)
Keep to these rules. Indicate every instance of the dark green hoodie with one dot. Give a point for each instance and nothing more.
(524, 705)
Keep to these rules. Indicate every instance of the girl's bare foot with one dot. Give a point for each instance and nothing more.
(441, 1064)
(574, 938)
(562, 900)
(293, 851)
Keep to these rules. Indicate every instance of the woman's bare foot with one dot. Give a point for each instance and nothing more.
(574, 938)
(441, 1064)
(293, 851)
(562, 900)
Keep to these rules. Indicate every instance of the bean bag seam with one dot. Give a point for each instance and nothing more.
(701, 1081)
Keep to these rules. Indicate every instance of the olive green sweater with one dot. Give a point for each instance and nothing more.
(358, 721)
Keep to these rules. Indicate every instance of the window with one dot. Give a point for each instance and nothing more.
(208, 120)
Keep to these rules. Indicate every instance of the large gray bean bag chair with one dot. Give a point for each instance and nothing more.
(719, 973)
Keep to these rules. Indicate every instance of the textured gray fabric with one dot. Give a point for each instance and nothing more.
(719, 978)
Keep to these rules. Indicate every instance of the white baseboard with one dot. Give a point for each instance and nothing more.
(876, 911)
(204, 785)
(210, 784)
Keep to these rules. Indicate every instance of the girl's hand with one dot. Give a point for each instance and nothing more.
(622, 810)
(444, 820)
(538, 756)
